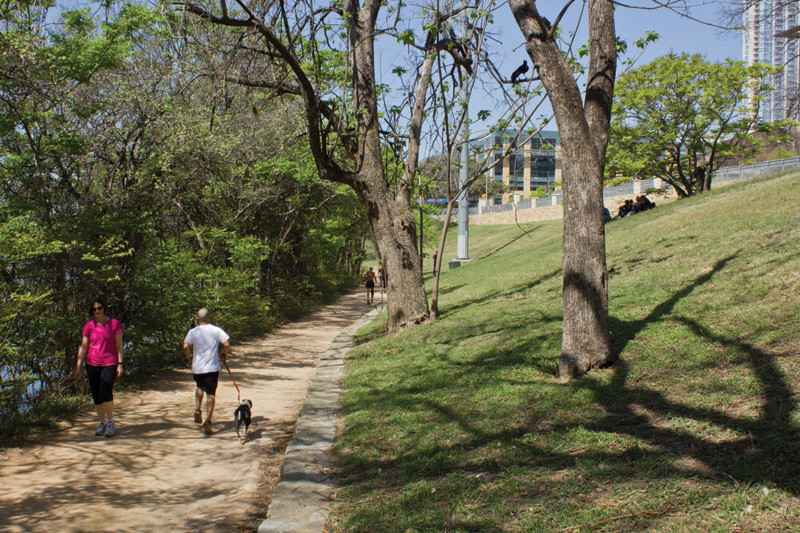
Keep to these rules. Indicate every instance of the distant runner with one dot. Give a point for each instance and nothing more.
(370, 285)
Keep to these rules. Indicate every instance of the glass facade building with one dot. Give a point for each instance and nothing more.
(771, 37)
(531, 162)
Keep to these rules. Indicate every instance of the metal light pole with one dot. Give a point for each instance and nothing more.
(462, 252)
(486, 186)
(463, 207)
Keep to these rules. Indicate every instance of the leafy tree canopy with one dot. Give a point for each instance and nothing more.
(123, 173)
(479, 187)
(680, 117)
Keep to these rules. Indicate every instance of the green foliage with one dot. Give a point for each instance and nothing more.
(407, 38)
(622, 49)
(679, 118)
(781, 152)
(613, 182)
(539, 192)
(496, 187)
(127, 176)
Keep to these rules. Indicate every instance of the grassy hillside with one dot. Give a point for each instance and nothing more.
(459, 425)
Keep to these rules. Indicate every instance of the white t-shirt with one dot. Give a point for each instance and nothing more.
(206, 339)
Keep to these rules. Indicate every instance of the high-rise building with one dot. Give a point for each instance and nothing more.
(770, 37)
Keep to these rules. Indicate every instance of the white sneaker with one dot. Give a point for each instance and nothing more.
(110, 428)
(101, 429)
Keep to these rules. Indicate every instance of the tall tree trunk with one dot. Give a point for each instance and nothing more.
(437, 263)
(586, 342)
(390, 215)
(392, 219)
(392, 223)
(584, 129)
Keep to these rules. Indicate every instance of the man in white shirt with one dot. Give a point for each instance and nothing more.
(205, 338)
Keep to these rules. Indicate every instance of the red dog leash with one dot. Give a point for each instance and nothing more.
(239, 393)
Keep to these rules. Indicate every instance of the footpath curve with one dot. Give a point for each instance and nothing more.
(160, 472)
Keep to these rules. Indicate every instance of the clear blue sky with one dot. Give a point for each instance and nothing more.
(678, 34)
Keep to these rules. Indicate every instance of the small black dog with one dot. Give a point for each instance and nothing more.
(242, 416)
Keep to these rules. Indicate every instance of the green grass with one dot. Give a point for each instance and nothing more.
(460, 424)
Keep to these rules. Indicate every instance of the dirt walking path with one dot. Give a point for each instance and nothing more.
(161, 472)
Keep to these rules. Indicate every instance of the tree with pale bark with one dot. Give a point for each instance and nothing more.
(583, 117)
(584, 125)
(324, 55)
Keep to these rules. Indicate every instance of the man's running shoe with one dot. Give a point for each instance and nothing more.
(101, 429)
(110, 428)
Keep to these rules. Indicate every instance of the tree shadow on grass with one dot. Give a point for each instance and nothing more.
(449, 289)
(509, 243)
(724, 447)
(765, 450)
(631, 264)
(498, 294)
(624, 331)
(768, 449)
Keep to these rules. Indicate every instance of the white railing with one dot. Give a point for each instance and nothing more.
(723, 175)
(743, 172)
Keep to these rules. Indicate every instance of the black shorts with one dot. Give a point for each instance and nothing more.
(370, 284)
(207, 382)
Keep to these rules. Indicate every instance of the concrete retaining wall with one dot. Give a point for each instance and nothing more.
(556, 210)
(540, 209)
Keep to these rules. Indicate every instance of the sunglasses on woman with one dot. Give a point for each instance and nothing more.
(100, 308)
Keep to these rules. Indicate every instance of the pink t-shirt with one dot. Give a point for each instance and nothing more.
(102, 342)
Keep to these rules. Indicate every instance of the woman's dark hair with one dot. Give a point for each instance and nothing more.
(98, 300)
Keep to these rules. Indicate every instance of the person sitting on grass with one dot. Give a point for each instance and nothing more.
(624, 209)
(638, 205)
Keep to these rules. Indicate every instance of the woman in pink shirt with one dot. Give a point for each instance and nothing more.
(102, 348)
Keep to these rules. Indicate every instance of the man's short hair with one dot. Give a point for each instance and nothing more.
(203, 315)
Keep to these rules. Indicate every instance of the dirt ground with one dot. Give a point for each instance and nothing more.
(161, 472)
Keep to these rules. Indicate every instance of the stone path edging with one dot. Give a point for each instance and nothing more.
(301, 497)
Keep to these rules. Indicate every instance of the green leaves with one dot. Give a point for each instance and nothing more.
(406, 37)
(675, 117)
(130, 176)
(650, 37)
(23, 237)
(82, 49)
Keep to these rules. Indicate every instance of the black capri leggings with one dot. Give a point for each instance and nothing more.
(101, 382)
